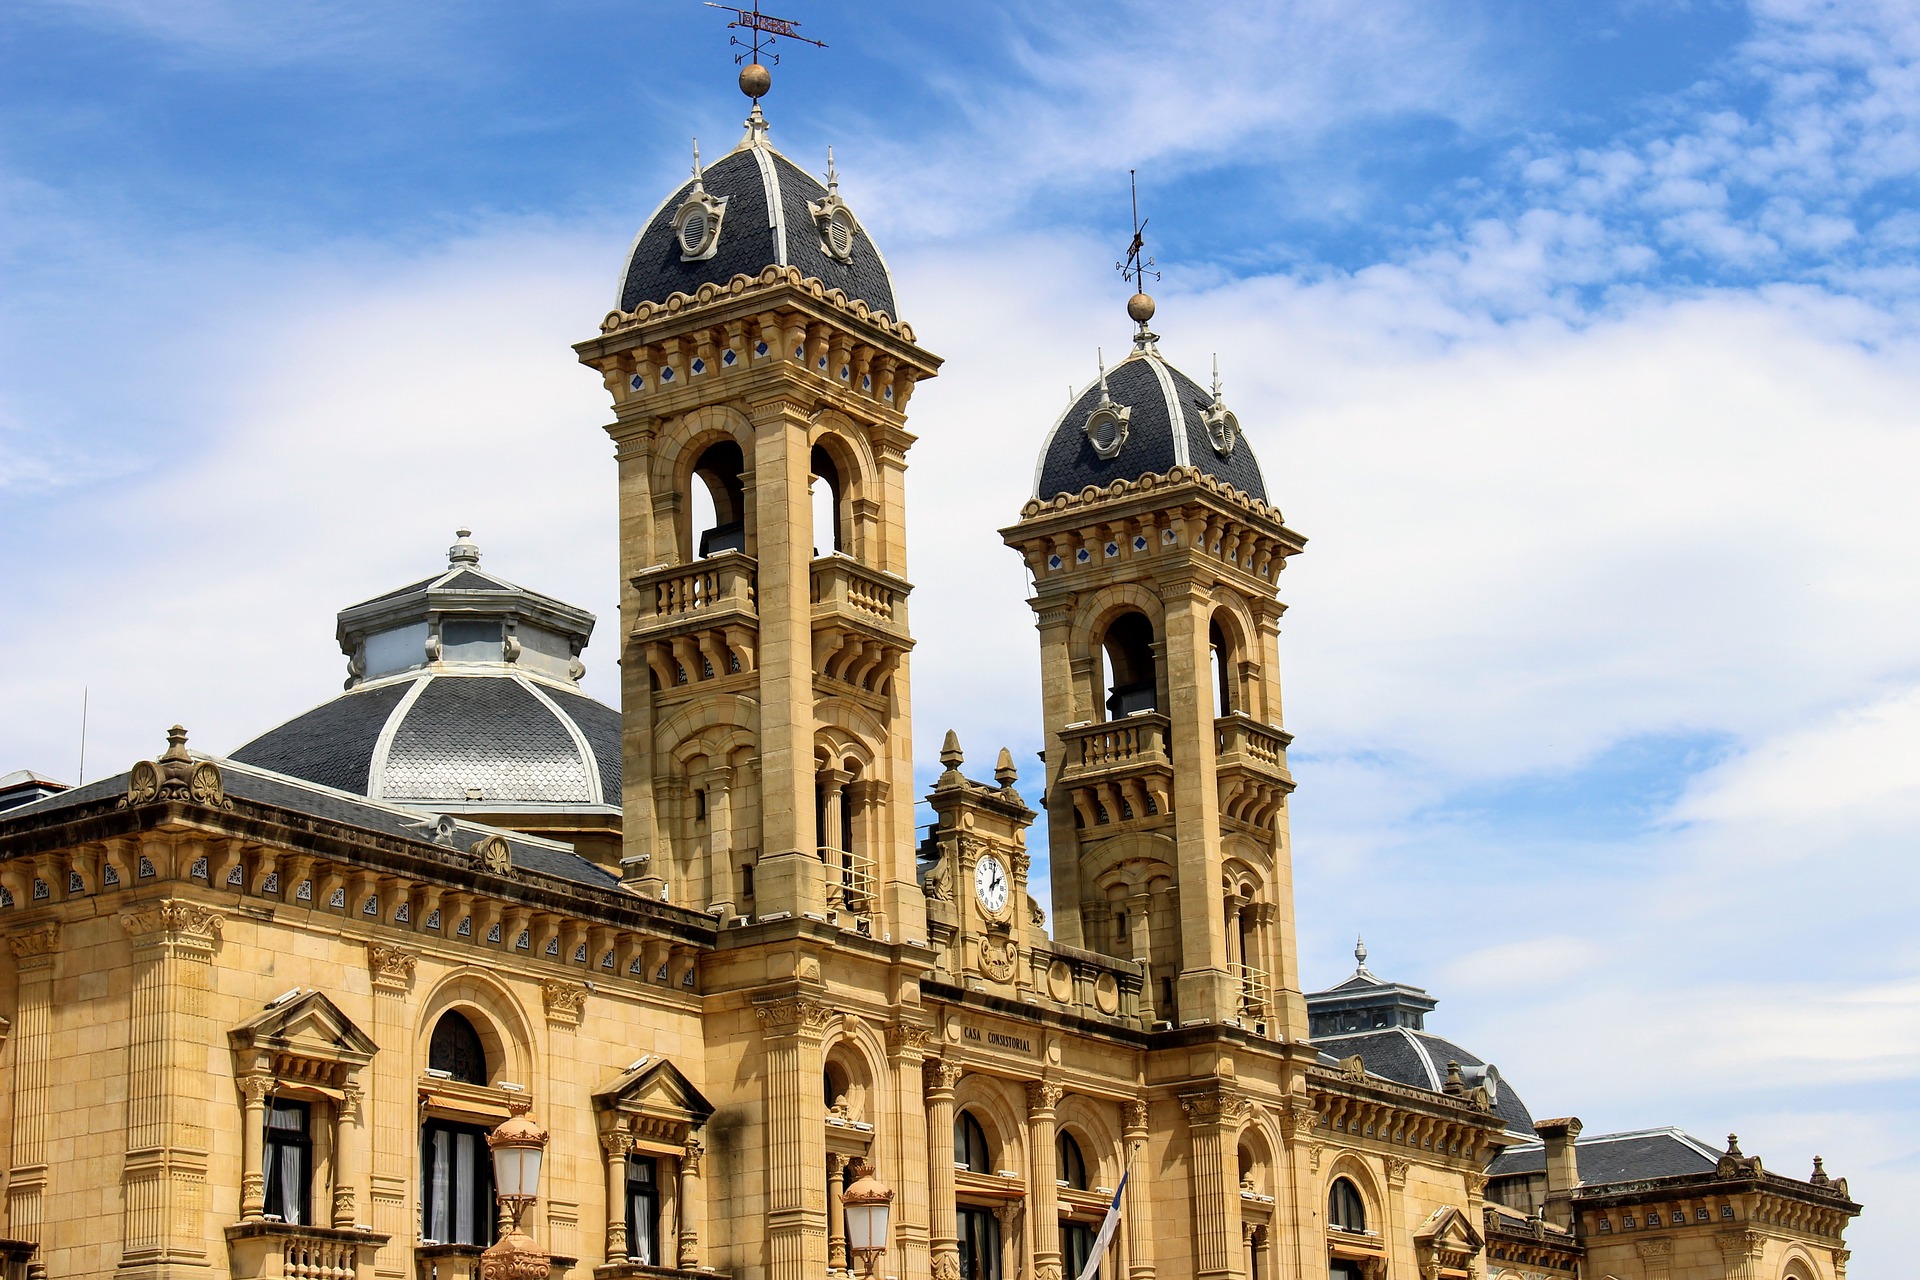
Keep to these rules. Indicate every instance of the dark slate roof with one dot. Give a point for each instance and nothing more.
(426, 738)
(249, 783)
(468, 580)
(766, 224)
(1166, 429)
(1619, 1157)
(1420, 1059)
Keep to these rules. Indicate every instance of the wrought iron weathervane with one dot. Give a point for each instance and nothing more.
(1137, 269)
(765, 29)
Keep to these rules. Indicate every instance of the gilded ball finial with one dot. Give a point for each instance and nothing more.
(1140, 307)
(755, 80)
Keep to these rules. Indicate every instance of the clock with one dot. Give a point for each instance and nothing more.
(991, 884)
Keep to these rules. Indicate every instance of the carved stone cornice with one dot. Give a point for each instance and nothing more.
(1213, 1107)
(564, 1001)
(794, 1015)
(940, 1076)
(1042, 1097)
(173, 920)
(392, 967)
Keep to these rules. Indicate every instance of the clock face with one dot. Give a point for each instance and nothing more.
(991, 883)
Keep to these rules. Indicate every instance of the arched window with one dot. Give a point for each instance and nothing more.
(970, 1144)
(456, 1050)
(827, 527)
(1072, 1165)
(1131, 683)
(719, 503)
(1345, 1208)
(1222, 658)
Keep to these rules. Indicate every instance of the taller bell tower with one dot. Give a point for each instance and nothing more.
(1155, 558)
(760, 383)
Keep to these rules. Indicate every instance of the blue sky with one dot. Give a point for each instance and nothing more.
(1579, 338)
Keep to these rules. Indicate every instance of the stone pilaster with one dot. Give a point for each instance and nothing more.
(35, 956)
(1213, 1121)
(794, 1028)
(164, 1179)
(943, 1234)
(1137, 1212)
(902, 1151)
(1740, 1252)
(1656, 1258)
(1042, 1097)
(395, 1126)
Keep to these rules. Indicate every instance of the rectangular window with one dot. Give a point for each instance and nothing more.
(456, 1177)
(1076, 1246)
(643, 1210)
(289, 1161)
(979, 1234)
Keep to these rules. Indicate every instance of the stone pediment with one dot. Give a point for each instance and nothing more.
(302, 1037)
(1446, 1243)
(654, 1089)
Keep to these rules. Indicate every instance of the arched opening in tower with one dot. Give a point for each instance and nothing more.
(1132, 685)
(718, 501)
(825, 488)
(1221, 656)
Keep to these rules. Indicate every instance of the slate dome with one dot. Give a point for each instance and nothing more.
(775, 214)
(1144, 416)
(463, 698)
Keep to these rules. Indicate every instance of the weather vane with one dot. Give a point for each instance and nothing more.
(1138, 268)
(766, 29)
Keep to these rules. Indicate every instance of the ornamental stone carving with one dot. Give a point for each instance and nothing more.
(178, 920)
(906, 1040)
(1300, 1122)
(939, 1075)
(690, 1157)
(35, 943)
(493, 854)
(1740, 1245)
(176, 776)
(1043, 1095)
(616, 1142)
(1652, 1249)
(946, 1266)
(1214, 1107)
(1397, 1170)
(794, 1014)
(392, 967)
(564, 1001)
(1135, 1113)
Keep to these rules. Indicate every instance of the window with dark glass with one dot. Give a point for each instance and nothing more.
(289, 1161)
(1345, 1208)
(1076, 1246)
(643, 1210)
(456, 1050)
(1344, 1271)
(456, 1179)
(1072, 1165)
(970, 1145)
(979, 1233)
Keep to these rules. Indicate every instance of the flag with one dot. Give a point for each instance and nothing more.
(1105, 1237)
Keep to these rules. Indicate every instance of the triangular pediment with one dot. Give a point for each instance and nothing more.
(308, 1026)
(1448, 1230)
(653, 1086)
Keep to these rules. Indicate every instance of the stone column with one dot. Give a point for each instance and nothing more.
(253, 1124)
(1296, 1194)
(34, 954)
(348, 1156)
(795, 1028)
(944, 1234)
(836, 1214)
(164, 1177)
(1059, 684)
(1213, 1120)
(614, 1147)
(690, 1204)
(901, 1147)
(1740, 1252)
(1043, 1189)
(1206, 991)
(1656, 1257)
(828, 784)
(1137, 1211)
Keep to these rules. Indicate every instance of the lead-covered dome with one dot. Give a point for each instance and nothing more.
(1144, 416)
(751, 209)
(463, 697)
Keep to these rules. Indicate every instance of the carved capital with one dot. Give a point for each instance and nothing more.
(172, 920)
(1300, 1122)
(1651, 1249)
(904, 1040)
(940, 1076)
(1042, 1097)
(1134, 1113)
(1213, 1107)
(1397, 1170)
(36, 943)
(616, 1143)
(1740, 1244)
(392, 967)
(255, 1089)
(564, 1001)
(794, 1015)
(690, 1157)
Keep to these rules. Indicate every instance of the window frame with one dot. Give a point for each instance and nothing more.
(986, 1258)
(1065, 1144)
(1335, 1215)
(453, 1021)
(297, 1141)
(482, 1198)
(647, 1191)
(964, 1122)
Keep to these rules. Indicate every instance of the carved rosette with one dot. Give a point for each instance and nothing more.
(493, 854)
(565, 1001)
(173, 920)
(392, 967)
(794, 1015)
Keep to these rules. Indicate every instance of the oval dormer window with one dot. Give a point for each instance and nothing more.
(696, 225)
(693, 232)
(840, 234)
(1107, 431)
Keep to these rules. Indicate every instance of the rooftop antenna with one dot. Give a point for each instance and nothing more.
(84, 692)
(1137, 268)
(755, 79)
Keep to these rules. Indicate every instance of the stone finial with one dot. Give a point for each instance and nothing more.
(1003, 771)
(1819, 1177)
(950, 754)
(1360, 954)
(176, 752)
(1456, 1082)
(1733, 1145)
(463, 551)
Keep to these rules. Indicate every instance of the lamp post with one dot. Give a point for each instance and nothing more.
(869, 1203)
(517, 1145)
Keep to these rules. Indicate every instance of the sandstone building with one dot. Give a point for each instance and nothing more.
(263, 1008)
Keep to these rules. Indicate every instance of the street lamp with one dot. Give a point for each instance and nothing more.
(869, 1203)
(518, 1144)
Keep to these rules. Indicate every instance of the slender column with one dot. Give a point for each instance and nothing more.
(944, 1235)
(796, 1137)
(1296, 1255)
(1043, 1191)
(614, 1147)
(1059, 707)
(253, 1182)
(34, 954)
(719, 872)
(349, 1133)
(690, 1204)
(836, 1214)
(1206, 992)
(1137, 1212)
(901, 1147)
(1213, 1118)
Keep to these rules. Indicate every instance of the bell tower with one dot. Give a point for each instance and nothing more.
(760, 383)
(1155, 558)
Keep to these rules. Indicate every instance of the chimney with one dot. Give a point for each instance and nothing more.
(1563, 1167)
